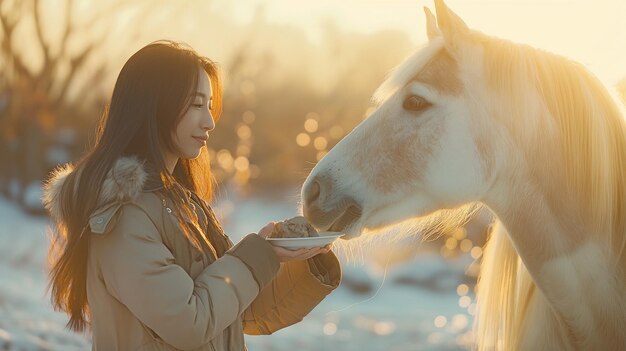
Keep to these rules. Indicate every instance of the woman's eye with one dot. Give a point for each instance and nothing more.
(415, 103)
(198, 105)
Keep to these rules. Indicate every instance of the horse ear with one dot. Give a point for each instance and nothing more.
(431, 25)
(450, 24)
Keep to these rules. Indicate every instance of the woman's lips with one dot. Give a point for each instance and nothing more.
(201, 140)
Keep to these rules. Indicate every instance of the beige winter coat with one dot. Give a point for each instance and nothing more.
(149, 289)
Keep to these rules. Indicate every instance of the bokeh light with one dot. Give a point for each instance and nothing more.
(440, 321)
(320, 143)
(462, 289)
(476, 252)
(248, 117)
(466, 245)
(241, 163)
(244, 132)
(303, 139)
(384, 328)
(464, 301)
(451, 243)
(471, 309)
(225, 159)
(459, 233)
(311, 125)
(330, 328)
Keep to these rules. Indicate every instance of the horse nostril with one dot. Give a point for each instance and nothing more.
(312, 192)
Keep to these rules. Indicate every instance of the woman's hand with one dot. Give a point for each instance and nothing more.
(285, 255)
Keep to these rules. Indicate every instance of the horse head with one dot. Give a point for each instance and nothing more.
(423, 149)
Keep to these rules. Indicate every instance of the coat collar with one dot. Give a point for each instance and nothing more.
(124, 182)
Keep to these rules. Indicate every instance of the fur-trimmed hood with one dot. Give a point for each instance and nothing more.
(124, 182)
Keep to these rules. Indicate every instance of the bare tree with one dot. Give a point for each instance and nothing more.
(39, 69)
(60, 65)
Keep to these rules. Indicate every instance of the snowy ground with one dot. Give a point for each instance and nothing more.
(414, 305)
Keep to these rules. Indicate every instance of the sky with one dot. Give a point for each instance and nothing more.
(592, 32)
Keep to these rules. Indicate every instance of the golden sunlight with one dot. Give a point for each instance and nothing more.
(588, 31)
(296, 77)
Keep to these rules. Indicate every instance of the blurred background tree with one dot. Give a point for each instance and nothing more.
(52, 76)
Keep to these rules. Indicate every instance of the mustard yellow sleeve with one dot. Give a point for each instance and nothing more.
(298, 287)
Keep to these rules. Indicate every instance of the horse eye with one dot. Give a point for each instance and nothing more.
(415, 103)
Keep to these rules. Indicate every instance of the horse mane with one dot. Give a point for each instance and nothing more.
(588, 132)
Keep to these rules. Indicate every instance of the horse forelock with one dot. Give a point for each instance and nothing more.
(407, 70)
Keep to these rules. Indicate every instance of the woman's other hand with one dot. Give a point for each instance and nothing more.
(285, 255)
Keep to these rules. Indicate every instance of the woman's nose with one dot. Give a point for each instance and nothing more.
(209, 123)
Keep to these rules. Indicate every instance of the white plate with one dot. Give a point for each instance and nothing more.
(324, 238)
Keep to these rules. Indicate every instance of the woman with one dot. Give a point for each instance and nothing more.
(139, 256)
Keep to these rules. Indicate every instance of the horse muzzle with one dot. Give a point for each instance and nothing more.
(326, 209)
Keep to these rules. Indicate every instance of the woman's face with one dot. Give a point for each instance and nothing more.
(192, 131)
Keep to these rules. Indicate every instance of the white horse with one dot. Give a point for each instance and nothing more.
(531, 135)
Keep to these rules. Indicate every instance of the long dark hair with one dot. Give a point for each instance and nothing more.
(152, 93)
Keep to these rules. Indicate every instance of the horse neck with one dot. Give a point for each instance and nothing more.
(552, 238)
(542, 226)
